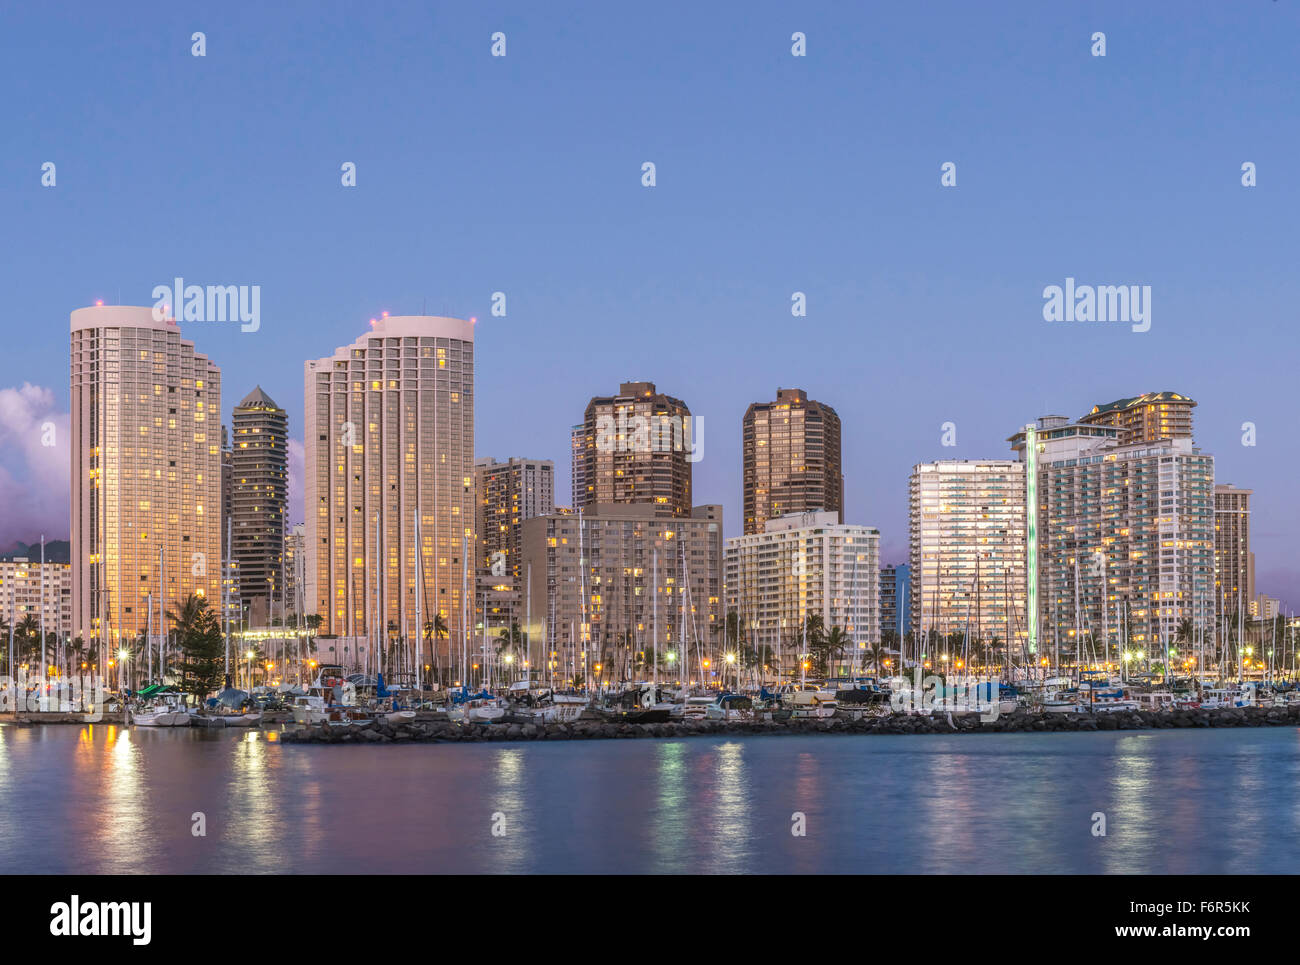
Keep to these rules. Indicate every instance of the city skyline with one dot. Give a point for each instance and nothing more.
(607, 281)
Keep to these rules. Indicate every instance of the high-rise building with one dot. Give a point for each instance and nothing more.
(791, 452)
(635, 447)
(146, 472)
(294, 547)
(1125, 539)
(227, 489)
(259, 492)
(578, 461)
(801, 565)
(1234, 562)
(41, 591)
(896, 599)
(968, 549)
(596, 577)
(1153, 417)
(507, 493)
(389, 430)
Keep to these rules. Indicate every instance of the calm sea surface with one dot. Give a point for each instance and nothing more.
(104, 800)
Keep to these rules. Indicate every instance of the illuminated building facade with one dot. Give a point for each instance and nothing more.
(596, 577)
(507, 493)
(791, 451)
(968, 548)
(258, 496)
(1234, 563)
(614, 463)
(1152, 417)
(43, 592)
(1125, 539)
(806, 564)
(389, 430)
(146, 472)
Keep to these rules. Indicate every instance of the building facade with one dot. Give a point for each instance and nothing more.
(41, 591)
(146, 472)
(801, 565)
(635, 447)
(1152, 417)
(258, 499)
(791, 459)
(896, 599)
(1125, 539)
(603, 581)
(1234, 562)
(295, 541)
(968, 547)
(508, 493)
(389, 431)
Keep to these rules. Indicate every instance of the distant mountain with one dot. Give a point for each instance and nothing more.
(56, 551)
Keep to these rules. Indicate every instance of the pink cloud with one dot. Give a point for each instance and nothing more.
(35, 464)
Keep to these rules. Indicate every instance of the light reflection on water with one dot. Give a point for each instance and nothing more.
(102, 799)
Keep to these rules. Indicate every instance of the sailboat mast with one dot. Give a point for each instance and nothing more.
(419, 623)
(654, 594)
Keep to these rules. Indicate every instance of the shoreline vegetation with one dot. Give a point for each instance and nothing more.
(437, 731)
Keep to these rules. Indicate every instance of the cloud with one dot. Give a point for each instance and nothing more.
(35, 464)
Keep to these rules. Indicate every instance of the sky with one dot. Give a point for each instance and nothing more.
(774, 174)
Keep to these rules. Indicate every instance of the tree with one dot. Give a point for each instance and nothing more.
(198, 635)
(878, 654)
(831, 647)
(435, 629)
(27, 638)
(510, 641)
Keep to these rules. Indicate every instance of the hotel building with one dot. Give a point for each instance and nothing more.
(806, 564)
(1153, 417)
(968, 550)
(791, 452)
(1125, 537)
(146, 472)
(389, 430)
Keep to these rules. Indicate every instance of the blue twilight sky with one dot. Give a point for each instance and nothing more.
(775, 174)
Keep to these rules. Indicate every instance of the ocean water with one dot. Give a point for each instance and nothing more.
(101, 799)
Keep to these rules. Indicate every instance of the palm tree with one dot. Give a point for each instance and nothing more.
(510, 640)
(81, 654)
(834, 644)
(435, 629)
(28, 631)
(878, 653)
